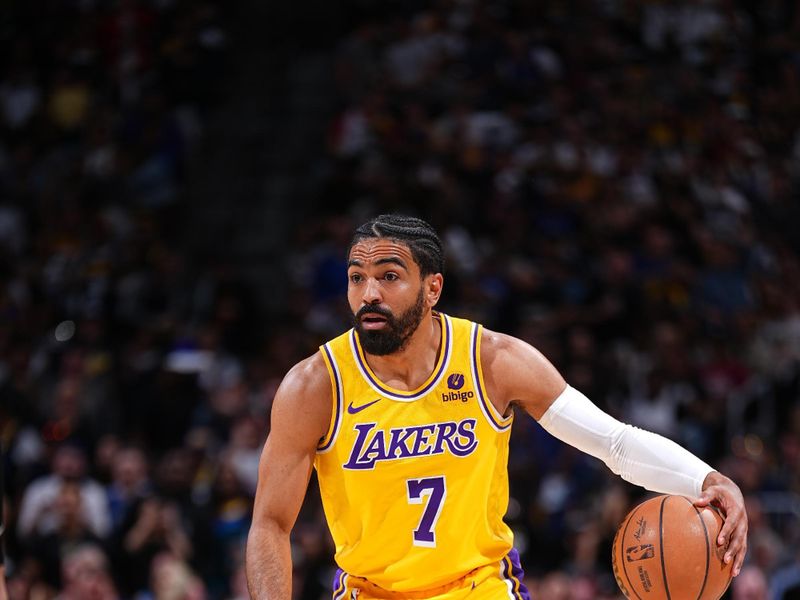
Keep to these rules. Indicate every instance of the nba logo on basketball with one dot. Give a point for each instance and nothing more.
(640, 552)
(455, 381)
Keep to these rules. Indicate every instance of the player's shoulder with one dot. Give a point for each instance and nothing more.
(500, 346)
(305, 391)
(515, 371)
(504, 349)
(301, 409)
(309, 376)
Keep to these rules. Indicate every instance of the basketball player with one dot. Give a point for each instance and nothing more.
(407, 417)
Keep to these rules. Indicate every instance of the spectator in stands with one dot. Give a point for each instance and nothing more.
(130, 482)
(172, 578)
(86, 575)
(152, 527)
(72, 530)
(37, 515)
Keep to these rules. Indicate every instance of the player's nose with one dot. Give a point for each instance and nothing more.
(372, 292)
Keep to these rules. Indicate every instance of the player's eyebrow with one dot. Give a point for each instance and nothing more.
(354, 262)
(392, 260)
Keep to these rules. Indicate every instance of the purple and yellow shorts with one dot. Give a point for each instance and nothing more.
(500, 580)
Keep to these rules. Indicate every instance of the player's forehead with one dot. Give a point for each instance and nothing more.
(377, 250)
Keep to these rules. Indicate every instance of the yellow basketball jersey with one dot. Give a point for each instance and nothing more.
(414, 483)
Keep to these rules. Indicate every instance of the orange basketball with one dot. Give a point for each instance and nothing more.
(666, 549)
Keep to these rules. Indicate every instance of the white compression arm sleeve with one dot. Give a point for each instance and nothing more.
(641, 457)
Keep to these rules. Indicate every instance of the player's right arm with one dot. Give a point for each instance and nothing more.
(301, 413)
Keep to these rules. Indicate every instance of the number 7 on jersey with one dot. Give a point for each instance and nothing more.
(436, 491)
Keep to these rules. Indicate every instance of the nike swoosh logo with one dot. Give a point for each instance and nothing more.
(357, 409)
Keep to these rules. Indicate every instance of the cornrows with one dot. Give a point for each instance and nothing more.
(421, 238)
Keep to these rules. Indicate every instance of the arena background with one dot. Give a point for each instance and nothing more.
(616, 182)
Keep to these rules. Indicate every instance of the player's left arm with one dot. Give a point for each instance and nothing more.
(517, 373)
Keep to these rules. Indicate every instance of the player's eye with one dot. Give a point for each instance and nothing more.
(391, 276)
(355, 277)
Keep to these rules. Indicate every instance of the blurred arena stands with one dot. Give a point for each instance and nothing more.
(616, 182)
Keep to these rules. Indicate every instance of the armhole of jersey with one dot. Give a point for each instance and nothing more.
(496, 420)
(326, 442)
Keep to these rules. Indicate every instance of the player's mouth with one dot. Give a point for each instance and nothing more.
(373, 321)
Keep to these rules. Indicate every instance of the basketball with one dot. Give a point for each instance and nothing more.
(666, 549)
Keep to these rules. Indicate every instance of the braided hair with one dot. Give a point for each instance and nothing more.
(418, 235)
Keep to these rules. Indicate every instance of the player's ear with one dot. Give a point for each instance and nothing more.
(433, 288)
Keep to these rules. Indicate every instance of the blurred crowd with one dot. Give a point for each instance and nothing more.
(615, 181)
(129, 466)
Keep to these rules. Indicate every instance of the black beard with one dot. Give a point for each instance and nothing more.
(398, 330)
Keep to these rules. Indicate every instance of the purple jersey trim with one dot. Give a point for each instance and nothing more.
(337, 417)
(488, 410)
(339, 587)
(380, 387)
(513, 574)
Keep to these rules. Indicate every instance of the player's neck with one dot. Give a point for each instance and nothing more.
(409, 368)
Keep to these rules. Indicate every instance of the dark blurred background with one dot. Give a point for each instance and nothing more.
(616, 182)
